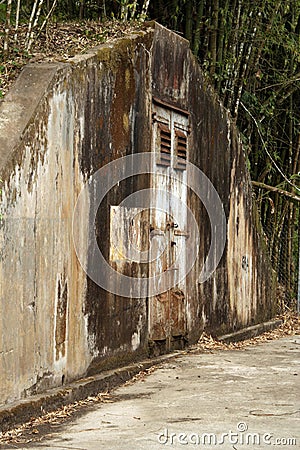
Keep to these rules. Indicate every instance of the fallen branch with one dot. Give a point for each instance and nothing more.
(276, 189)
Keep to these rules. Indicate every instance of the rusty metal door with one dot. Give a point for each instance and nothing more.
(167, 310)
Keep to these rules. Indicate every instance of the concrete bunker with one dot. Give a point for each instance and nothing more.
(139, 94)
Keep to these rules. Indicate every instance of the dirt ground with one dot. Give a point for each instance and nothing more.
(57, 42)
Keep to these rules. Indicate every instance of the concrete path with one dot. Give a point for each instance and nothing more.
(241, 399)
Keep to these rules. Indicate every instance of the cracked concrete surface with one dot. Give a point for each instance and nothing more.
(227, 399)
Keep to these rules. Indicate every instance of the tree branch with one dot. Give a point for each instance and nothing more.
(276, 189)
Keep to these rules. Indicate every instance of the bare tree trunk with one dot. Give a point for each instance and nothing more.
(174, 13)
(104, 8)
(34, 25)
(277, 231)
(7, 29)
(243, 73)
(35, 4)
(199, 22)
(213, 38)
(288, 266)
(296, 165)
(268, 28)
(133, 9)
(232, 50)
(81, 9)
(241, 32)
(47, 17)
(17, 20)
(144, 10)
(223, 17)
(189, 20)
(206, 28)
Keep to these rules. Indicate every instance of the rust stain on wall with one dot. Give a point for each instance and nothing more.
(61, 317)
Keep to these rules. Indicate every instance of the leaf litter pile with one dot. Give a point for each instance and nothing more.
(29, 431)
(289, 327)
(58, 42)
(34, 430)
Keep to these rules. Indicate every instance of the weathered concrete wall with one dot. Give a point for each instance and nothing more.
(58, 125)
(51, 325)
(241, 290)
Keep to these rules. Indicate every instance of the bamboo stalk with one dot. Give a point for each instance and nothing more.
(213, 38)
(7, 28)
(17, 20)
(34, 25)
(124, 10)
(243, 72)
(35, 4)
(144, 10)
(47, 17)
(133, 9)
(198, 28)
(188, 20)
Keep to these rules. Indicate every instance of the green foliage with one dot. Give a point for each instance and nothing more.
(2, 12)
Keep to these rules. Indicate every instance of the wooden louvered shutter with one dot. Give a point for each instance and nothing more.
(165, 144)
(180, 149)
